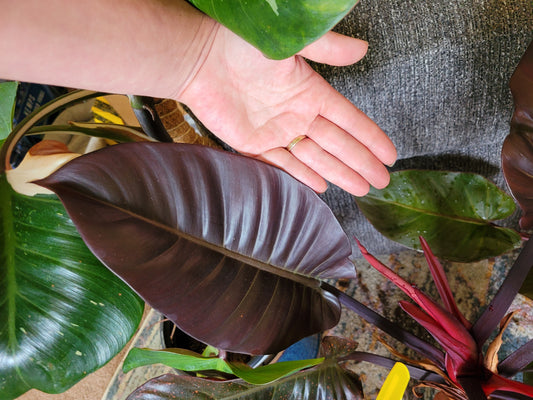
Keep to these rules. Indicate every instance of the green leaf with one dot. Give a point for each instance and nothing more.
(189, 361)
(272, 372)
(217, 242)
(181, 359)
(453, 211)
(62, 313)
(8, 93)
(325, 381)
(279, 28)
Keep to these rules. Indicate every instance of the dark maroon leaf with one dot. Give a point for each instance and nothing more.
(472, 387)
(229, 248)
(415, 372)
(517, 151)
(413, 342)
(517, 361)
(498, 307)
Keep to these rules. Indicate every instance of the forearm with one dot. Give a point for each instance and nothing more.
(144, 47)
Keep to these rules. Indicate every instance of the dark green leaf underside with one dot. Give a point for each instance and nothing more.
(452, 211)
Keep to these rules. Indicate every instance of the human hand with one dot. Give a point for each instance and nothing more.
(259, 106)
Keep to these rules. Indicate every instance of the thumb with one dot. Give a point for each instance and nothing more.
(335, 49)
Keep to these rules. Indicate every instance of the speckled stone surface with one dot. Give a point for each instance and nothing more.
(473, 286)
(148, 336)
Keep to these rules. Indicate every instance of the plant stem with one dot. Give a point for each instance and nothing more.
(413, 342)
(501, 302)
(415, 372)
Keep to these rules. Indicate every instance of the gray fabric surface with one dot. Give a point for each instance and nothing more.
(436, 80)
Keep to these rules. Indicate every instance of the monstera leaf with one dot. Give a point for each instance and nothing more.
(517, 151)
(279, 28)
(62, 313)
(453, 211)
(230, 249)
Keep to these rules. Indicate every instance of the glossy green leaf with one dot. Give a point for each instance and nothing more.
(323, 382)
(517, 150)
(182, 359)
(454, 212)
(62, 313)
(185, 360)
(8, 93)
(217, 242)
(279, 28)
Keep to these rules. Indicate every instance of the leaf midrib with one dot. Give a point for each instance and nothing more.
(291, 275)
(467, 220)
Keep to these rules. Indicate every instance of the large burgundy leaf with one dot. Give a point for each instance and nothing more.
(229, 248)
(517, 151)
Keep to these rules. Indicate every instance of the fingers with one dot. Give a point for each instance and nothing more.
(281, 158)
(330, 168)
(312, 164)
(335, 49)
(342, 113)
(345, 155)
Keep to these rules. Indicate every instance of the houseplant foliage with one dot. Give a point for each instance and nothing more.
(62, 313)
(468, 373)
(328, 380)
(279, 28)
(517, 150)
(460, 367)
(217, 242)
(455, 212)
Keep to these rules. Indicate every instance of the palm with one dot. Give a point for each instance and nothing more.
(258, 106)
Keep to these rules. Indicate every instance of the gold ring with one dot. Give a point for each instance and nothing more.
(295, 141)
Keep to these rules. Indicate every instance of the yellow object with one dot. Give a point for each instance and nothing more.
(104, 112)
(394, 386)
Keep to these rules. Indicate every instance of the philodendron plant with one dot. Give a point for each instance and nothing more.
(460, 371)
(234, 251)
(166, 222)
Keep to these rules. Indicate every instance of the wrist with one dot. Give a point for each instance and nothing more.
(190, 55)
(186, 38)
